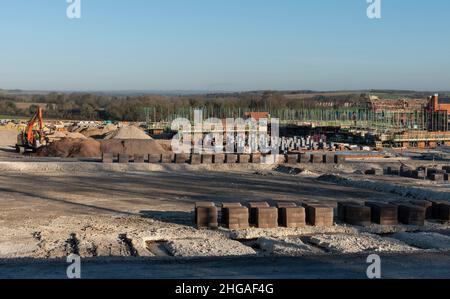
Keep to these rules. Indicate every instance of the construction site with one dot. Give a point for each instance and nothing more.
(341, 181)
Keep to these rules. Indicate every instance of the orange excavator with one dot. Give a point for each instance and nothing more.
(31, 139)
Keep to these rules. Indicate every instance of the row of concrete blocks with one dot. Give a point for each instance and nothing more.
(221, 158)
(414, 212)
(235, 216)
(437, 175)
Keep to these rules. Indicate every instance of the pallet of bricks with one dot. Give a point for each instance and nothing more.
(412, 212)
(236, 216)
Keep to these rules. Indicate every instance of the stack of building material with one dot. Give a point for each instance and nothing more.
(138, 158)
(393, 171)
(124, 158)
(219, 158)
(181, 158)
(154, 158)
(206, 215)
(339, 159)
(319, 215)
(292, 159)
(207, 159)
(235, 216)
(231, 158)
(253, 207)
(411, 214)
(266, 217)
(224, 211)
(167, 158)
(383, 213)
(244, 158)
(196, 159)
(316, 158)
(328, 159)
(444, 211)
(428, 205)
(107, 157)
(256, 158)
(341, 206)
(436, 175)
(357, 215)
(290, 215)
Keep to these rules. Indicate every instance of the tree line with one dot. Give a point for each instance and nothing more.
(92, 106)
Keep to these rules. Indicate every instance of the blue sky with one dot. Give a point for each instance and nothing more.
(224, 45)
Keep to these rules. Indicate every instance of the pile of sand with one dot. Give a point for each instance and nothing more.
(71, 148)
(67, 135)
(131, 147)
(128, 132)
(99, 132)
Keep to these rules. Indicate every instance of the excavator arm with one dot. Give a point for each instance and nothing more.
(37, 117)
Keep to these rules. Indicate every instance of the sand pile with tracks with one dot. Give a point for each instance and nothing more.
(128, 132)
(72, 148)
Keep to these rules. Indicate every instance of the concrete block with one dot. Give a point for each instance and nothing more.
(292, 217)
(124, 158)
(235, 217)
(319, 215)
(196, 159)
(167, 158)
(219, 158)
(358, 215)
(231, 158)
(139, 158)
(292, 159)
(207, 159)
(252, 207)
(107, 158)
(411, 215)
(383, 213)
(181, 158)
(266, 217)
(154, 158)
(244, 158)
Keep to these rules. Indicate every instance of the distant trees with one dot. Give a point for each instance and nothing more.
(90, 106)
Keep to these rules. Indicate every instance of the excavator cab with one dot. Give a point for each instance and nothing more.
(31, 139)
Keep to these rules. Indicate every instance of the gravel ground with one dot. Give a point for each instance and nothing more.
(208, 247)
(425, 240)
(292, 246)
(340, 243)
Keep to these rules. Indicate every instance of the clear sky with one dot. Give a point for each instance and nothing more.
(224, 45)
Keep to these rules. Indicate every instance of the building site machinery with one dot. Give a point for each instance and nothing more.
(31, 138)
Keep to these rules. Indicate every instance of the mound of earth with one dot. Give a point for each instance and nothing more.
(128, 132)
(71, 148)
(131, 146)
